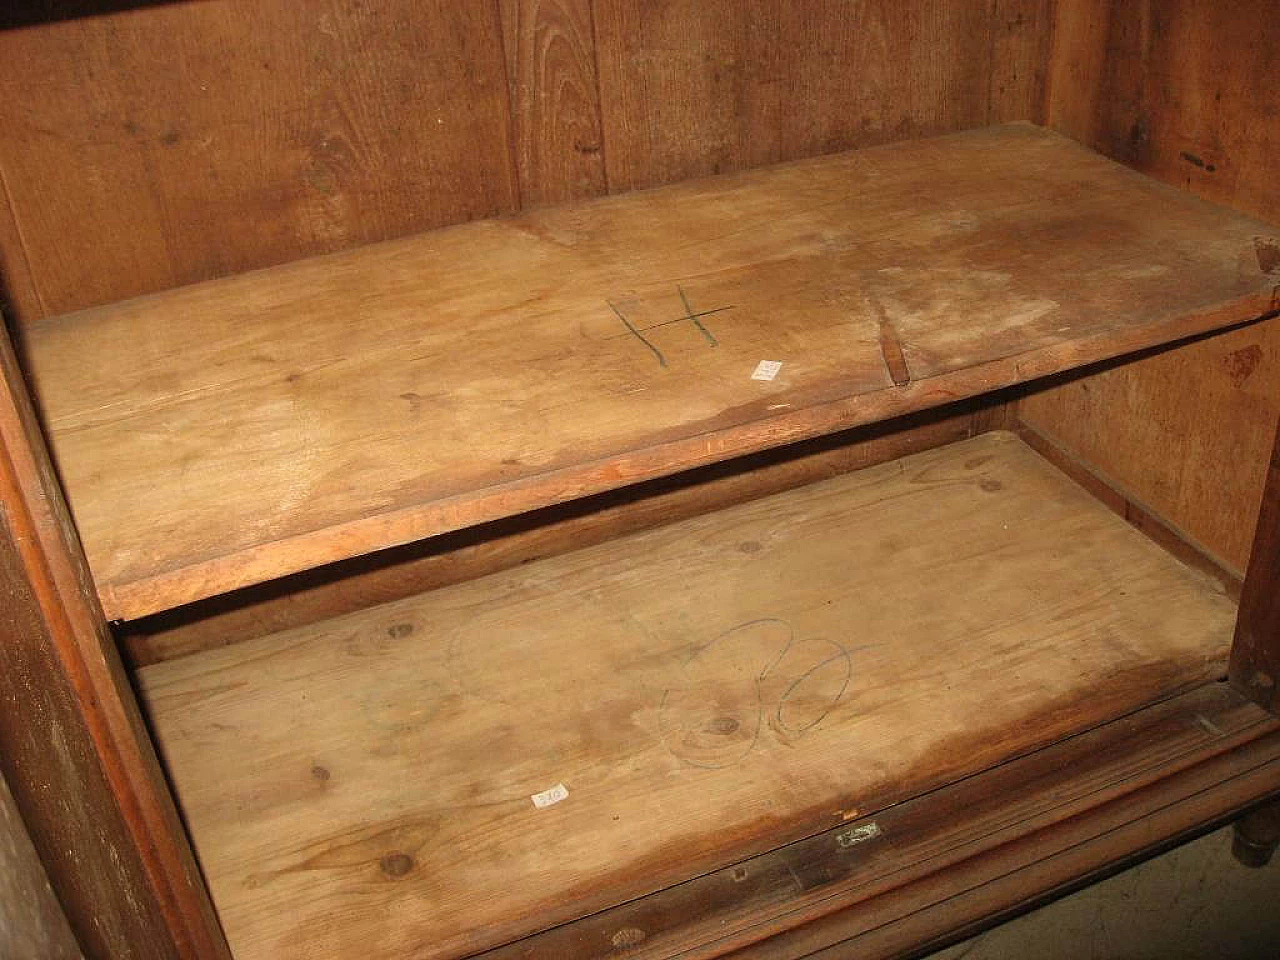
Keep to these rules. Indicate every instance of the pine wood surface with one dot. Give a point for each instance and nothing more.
(231, 432)
(705, 691)
(892, 881)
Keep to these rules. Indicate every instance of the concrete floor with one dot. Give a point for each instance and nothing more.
(1193, 903)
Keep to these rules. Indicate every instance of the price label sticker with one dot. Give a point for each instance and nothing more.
(550, 796)
(766, 369)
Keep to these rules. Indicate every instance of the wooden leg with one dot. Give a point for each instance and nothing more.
(1257, 835)
(1255, 656)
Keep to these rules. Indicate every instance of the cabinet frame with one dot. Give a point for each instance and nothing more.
(87, 781)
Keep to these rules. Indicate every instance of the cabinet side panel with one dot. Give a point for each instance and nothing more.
(31, 922)
(1184, 433)
(72, 745)
(1182, 91)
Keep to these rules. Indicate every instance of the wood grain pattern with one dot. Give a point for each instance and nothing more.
(32, 925)
(695, 88)
(72, 745)
(1255, 656)
(1185, 433)
(705, 691)
(1045, 865)
(202, 139)
(926, 868)
(555, 100)
(603, 344)
(1182, 91)
(195, 140)
(478, 551)
(1134, 514)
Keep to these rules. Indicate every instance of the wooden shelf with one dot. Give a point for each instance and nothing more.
(235, 431)
(706, 692)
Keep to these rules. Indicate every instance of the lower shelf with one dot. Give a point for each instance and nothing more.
(704, 692)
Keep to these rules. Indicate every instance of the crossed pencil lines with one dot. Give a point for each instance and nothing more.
(689, 315)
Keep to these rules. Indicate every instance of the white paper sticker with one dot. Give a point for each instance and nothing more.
(767, 369)
(548, 797)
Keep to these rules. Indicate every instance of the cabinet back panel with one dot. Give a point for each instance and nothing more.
(150, 148)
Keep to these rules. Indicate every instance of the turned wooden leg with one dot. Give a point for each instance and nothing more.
(1257, 835)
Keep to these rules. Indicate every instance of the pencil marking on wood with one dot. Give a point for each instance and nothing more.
(667, 323)
(662, 361)
(715, 716)
(690, 315)
(841, 666)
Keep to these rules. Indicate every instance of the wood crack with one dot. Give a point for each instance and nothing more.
(891, 349)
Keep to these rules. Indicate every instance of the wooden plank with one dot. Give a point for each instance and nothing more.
(1186, 433)
(478, 551)
(31, 922)
(555, 100)
(705, 691)
(1021, 35)
(196, 140)
(1182, 91)
(898, 877)
(603, 344)
(696, 88)
(1255, 656)
(72, 746)
(1134, 513)
(263, 131)
(1044, 865)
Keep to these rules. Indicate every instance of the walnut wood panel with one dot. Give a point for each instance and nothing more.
(555, 99)
(705, 691)
(690, 88)
(1183, 91)
(507, 365)
(1255, 657)
(1135, 514)
(205, 138)
(72, 747)
(928, 868)
(478, 551)
(32, 924)
(149, 148)
(1186, 433)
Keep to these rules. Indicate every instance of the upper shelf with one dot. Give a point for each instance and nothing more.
(237, 430)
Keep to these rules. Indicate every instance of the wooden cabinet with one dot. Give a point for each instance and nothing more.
(820, 549)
